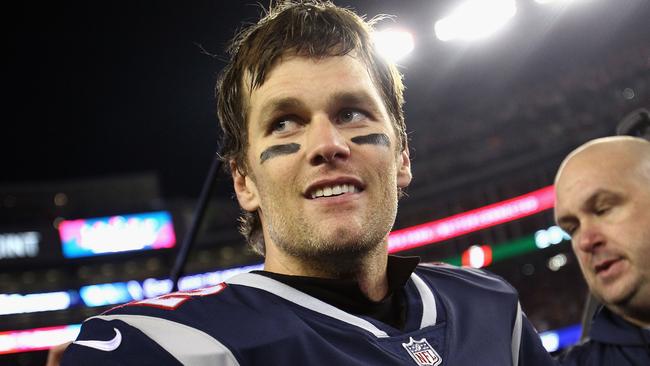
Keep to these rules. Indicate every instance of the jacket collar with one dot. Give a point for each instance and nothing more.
(607, 327)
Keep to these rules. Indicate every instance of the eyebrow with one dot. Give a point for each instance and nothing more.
(566, 219)
(289, 104)
(597, 196)
(281, 104)
(355, 98)
(589, 204)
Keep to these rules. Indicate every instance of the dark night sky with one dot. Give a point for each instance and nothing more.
(100, 88)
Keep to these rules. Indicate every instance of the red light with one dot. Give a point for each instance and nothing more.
(477, 256)
(37, 339)
(470, 221)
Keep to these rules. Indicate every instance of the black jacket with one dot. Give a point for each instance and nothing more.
(612, 341)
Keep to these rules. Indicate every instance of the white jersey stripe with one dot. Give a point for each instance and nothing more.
(300, 298)
(429, 311)
(516, 335)
(288, 293)
(188, 345)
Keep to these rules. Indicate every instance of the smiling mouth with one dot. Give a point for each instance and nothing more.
(334, 190)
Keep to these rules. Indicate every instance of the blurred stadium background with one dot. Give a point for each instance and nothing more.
(110, 128)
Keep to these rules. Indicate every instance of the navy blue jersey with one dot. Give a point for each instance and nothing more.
(454, 316)
(612, 341)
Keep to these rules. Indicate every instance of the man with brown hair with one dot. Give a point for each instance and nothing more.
(603, 202)
(315, 140)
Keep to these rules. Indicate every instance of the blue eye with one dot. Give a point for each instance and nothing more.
(283, 125)
(351, 115)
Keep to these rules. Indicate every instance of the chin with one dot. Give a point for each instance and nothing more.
(619, 296)
(345, 245)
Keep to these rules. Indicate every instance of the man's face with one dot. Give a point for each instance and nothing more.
(603, 202)
(323, 167)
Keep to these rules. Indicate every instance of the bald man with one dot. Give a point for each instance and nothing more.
(603, 202)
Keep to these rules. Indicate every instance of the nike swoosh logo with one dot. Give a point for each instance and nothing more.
(106, 346)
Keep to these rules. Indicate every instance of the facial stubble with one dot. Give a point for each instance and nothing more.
(338, 250)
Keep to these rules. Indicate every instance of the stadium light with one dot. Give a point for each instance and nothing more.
(475, 19)
(544, 2)
(471, 221)
(556, 262)
(551, 236)
(554, 340)
(31, 303)
(393, 44)
(15, 341)
(477, 256)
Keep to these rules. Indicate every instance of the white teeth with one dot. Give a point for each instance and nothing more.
(334, 190)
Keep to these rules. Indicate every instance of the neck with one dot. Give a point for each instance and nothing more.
(368, 269)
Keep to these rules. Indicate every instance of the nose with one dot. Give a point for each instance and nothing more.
(325, 143)
(589, 238)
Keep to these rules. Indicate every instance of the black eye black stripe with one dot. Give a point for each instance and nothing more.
(373, 138)
(277, 150)
(286, 149)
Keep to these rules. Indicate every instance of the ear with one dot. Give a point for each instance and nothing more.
(404, 168)
(245, 189)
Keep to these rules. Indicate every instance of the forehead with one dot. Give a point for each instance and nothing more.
(313, 80)
(593, 171)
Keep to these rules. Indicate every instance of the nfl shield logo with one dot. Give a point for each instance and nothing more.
(422, 352)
